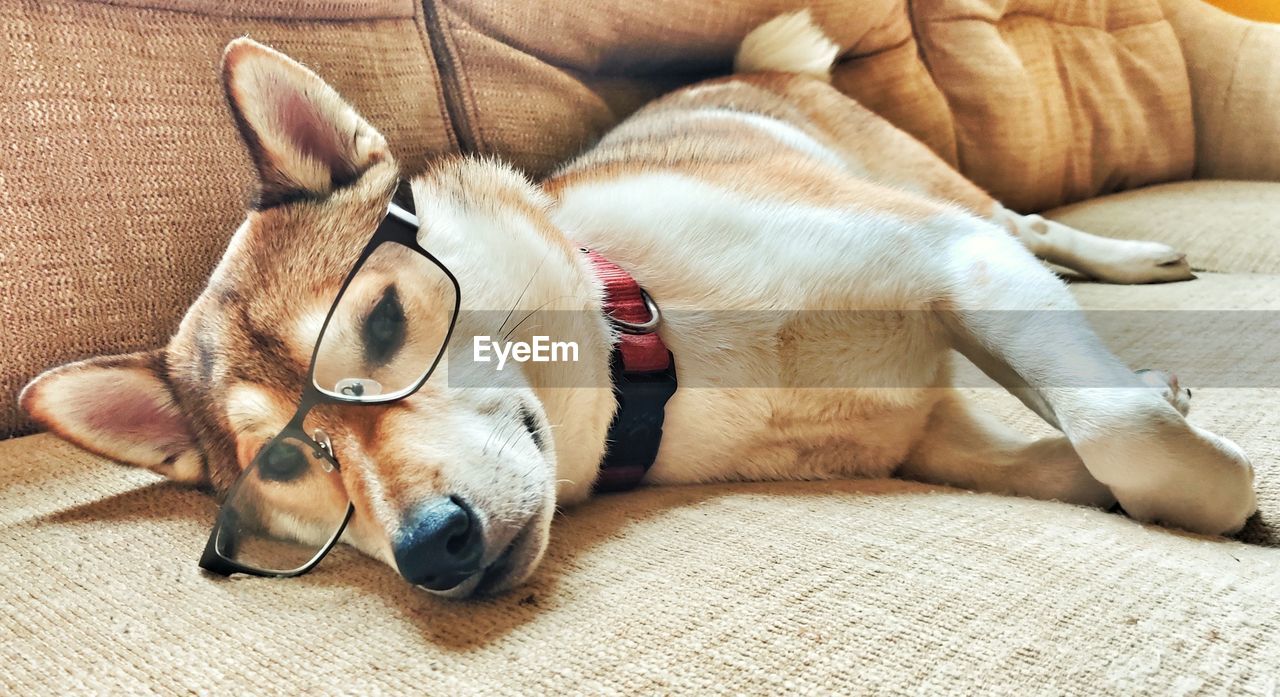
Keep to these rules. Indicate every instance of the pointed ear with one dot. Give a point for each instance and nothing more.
(303, 138)
(120, 407)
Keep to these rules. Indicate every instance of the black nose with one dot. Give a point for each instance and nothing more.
(441, 545)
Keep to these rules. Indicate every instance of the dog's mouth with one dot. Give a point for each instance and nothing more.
(510, 567)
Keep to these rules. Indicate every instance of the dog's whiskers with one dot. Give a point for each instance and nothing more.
(535, 311)
(524, 291)
(510, 439)
(493, 433)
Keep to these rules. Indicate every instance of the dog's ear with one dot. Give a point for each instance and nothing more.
(303, 138)
(118, 406)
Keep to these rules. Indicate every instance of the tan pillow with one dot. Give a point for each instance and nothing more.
(540, 80)
(1054, 102)
(1041, 102)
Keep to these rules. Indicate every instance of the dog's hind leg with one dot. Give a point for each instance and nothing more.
(1017, 322)
(864, 138)
(1102, 258)
(968, 448)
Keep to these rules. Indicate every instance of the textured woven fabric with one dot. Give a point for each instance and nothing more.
(1056, 102)
(1040, 103)
(814, 588)
(1235, 86)
(1221, 225)
(122, 176)
(822, 588)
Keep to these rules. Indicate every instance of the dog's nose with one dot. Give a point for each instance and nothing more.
(441, 546)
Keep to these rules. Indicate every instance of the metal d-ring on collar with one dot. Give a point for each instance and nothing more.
(646, 327)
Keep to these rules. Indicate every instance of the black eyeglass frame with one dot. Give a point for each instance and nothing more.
(401, 227)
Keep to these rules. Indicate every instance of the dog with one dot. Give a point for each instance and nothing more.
(765, 200)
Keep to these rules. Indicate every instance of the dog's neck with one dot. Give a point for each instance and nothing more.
(489, 225)
(577, 396)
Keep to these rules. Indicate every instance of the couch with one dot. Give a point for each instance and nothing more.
(121, 179)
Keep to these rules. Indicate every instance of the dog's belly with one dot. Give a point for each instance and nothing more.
(773, 434)
(798, 394)
(804, 336)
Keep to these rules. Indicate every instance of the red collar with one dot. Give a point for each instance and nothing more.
(644, 378)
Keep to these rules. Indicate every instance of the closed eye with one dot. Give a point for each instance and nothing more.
(531, 424)
(383, 330)
(281, 462)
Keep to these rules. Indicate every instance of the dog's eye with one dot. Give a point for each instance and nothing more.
(281, 463)
(531, 423)
(384, 328)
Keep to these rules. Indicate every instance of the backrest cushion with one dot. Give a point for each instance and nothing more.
(1040, 102)
(122, 176)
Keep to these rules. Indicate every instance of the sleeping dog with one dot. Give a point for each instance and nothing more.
(782, 235)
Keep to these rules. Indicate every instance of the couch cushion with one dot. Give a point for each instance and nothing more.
(1041, 103)
(120, 144)
(122, 176)
(877, 587)
(1235, 86)
(1221, 225)
(1056, 102)
(838, 586)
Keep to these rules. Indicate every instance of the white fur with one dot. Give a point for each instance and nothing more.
(1103, 258)
(789, 43)
(786, 134)
(753, 255)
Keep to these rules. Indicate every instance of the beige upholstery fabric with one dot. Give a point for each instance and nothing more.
(1221, 225)
(1041, 103)
(122, 175)
(122, 178)
(845, 588)
(1054, 102)
(1234, 65)
(848, 587)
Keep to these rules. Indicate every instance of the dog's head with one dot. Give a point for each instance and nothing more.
(421, 472)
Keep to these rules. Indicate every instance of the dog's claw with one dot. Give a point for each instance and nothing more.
(1167, 383)
(1133, 261)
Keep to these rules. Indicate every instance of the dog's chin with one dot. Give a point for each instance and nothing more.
(509, 569)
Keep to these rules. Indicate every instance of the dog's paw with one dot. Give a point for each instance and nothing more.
(1164, 469)
(1206, 487)
(1133, 261)
(1166, 384)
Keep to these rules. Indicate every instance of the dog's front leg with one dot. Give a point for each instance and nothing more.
(1018, 323)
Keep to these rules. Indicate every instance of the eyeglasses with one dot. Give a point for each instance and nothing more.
(382, 338)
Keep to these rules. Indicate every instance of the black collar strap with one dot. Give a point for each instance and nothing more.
(644, 378)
